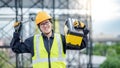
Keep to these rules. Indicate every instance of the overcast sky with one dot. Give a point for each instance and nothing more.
(106, 16)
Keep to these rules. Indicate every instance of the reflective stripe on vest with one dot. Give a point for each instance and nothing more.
(40, 58)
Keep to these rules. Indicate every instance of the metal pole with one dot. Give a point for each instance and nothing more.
(53, 14)
(42, 4)
(21, 8)
(16, 10)
(68, 8)
(21, 19)
(89, 65)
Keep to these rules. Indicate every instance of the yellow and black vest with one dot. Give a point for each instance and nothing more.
(57, 56)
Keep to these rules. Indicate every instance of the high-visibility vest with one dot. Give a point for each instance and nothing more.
(57, 56)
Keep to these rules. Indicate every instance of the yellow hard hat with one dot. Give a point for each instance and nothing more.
(41, 16)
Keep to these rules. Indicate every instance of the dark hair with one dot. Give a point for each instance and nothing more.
(51, 20)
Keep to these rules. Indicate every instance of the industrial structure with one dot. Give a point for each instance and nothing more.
(12, 11)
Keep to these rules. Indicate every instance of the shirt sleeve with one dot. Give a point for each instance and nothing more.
(21, 47)
(64, 43)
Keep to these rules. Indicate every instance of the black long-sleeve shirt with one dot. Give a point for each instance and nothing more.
(28, 47)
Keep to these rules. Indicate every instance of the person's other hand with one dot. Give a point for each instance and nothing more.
(17, 26)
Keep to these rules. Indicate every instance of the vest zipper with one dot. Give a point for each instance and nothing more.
(49, 62)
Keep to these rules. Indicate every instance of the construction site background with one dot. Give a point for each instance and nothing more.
(101, 49)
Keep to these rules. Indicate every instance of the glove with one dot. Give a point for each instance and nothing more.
(86, 31)
(78, 25)
(17, 27)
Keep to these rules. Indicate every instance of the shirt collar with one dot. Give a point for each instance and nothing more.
(51, 36)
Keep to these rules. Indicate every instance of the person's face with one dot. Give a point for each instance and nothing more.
(46, 26)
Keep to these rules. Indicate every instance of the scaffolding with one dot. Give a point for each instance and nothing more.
(25, 11)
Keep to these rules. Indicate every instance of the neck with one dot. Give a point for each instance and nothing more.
(49, 34)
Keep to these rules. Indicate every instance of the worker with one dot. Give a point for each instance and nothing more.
(48, 49)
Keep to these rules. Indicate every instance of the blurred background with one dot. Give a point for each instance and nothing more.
(100, 16)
